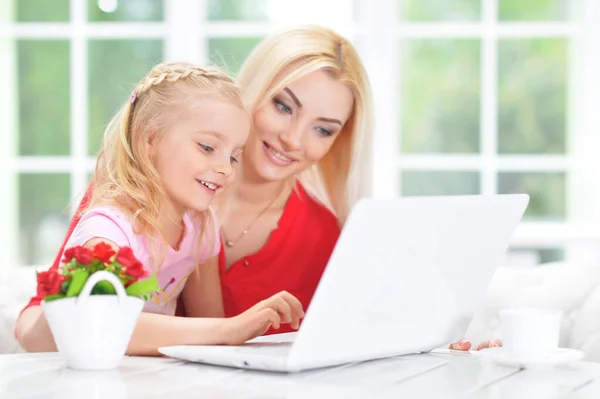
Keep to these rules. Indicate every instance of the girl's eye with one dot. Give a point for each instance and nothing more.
(282, 107)
(233, 160)
(324, 132)
(206, 148)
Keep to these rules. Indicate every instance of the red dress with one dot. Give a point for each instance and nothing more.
(293, 259)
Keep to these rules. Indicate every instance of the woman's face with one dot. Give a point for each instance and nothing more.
(297, 127)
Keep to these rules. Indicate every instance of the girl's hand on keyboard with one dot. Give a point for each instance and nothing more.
(281, 308)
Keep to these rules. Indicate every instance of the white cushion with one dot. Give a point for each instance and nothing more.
(585, 334)
(16, 288)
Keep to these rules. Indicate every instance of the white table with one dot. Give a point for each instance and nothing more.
(41, 376)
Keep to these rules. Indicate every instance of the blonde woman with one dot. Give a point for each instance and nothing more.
(167, 153)
(304, 166)
(302, 170)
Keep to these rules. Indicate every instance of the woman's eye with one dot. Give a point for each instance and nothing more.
(206, 148)
(282, 107)
(233, 160)
(324, 132)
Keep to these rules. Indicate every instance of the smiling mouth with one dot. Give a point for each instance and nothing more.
(209, 185)
(279, 156)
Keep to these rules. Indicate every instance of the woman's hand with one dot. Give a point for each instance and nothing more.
(281, 308)
(465, 345)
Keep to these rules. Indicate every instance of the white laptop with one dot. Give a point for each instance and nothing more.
(406, 276)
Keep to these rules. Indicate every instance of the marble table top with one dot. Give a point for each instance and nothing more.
(432, 375)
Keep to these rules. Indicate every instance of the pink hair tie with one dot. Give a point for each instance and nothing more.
(133, 96)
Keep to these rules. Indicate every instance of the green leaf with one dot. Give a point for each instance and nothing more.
(105, 288)
(64, 287)
(143, 287)
(53, 297)
(79, 278)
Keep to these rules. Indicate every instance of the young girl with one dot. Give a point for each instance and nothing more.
(169, 151)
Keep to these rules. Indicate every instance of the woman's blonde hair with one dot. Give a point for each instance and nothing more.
(125, 175)
(340, 178)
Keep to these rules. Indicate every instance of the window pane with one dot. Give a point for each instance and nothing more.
(532, 91)
(533, 10)
(43, 69)
(43, 216)
(439, 183)
(440, 10)
(546, 192)
(230, 53)
(517, 256)
(440, 96)
(130, 10)
(111, 80)
(41, 10)
(238, 10)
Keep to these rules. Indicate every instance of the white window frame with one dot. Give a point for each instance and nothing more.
(376, 32)
(584, 143)
(180, 43)
(8, 112)
(580, 234)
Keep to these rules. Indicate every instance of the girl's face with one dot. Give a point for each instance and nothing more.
(195, 157)
(297, 127)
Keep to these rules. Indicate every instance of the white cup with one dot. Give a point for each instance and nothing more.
(530, 334)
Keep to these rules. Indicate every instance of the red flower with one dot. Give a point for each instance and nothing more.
(133, 267)
(68, 255)
(49, 282)
(103, 252)
(81, 254)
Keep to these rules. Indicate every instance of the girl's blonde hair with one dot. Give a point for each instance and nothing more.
(125, 175)
(340, 178)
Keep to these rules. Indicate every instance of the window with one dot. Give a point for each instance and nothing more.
(74, 63)
(490, 96)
